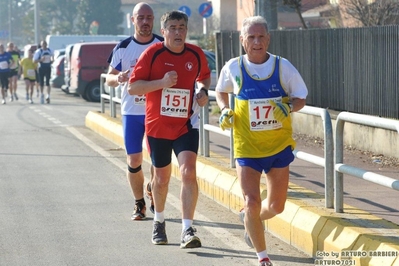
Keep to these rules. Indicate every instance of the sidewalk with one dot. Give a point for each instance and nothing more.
(305, 223)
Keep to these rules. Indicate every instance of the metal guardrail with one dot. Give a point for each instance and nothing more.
(113, 100)
(205, 128)
(341, 168)
(333, 172)
(327, 162)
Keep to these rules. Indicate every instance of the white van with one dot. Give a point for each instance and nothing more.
(55, 42)
(29, 47)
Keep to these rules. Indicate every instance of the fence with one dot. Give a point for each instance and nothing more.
(346, 69)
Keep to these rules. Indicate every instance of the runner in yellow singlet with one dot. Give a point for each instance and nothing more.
(267, 89)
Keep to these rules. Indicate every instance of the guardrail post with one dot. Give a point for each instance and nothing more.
(204, 134)
(328, 158)
(201, 131)
(232, 161)
(339, 155)
(102, 79)
(328, 161)
(111, 101)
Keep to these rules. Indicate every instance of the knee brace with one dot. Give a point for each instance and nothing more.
(133, 170)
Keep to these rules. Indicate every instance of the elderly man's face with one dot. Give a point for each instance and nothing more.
(256, 41)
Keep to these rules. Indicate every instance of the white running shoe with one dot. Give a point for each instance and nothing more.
(265, 262)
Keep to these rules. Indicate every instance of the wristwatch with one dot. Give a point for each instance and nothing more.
(205, 90)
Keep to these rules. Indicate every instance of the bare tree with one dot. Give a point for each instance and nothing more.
(297, 5)
(378, 13)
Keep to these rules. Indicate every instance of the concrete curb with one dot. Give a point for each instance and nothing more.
(351, 238)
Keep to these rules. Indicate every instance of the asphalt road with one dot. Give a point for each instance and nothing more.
(64, 199)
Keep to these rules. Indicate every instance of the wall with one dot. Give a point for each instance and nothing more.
(376, 140)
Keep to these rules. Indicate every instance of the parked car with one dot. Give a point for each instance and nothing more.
(210, 56)
(88, 62)
(67, 68)
(58, 53)
(57, 72)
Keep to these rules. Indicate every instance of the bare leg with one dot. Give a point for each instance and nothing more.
(189, 188)
(136, 180)
(250, 185)
(161, 186)
(255, 211)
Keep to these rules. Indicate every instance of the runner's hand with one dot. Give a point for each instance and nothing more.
(280, 111)
(224, 120)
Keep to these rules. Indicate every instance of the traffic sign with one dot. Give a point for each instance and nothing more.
(205, 9)
(4, 34)
(186, 10)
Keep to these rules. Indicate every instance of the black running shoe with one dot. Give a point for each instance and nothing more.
(139, 211)
(159, 234)
(189, 240)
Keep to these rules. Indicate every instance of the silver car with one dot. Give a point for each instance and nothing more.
(210, 56)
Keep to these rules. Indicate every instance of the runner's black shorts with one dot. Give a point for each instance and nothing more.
(161, 149)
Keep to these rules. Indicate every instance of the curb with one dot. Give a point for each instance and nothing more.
(352, 238)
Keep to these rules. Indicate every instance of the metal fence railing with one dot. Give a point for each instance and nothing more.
(341, 168)
(327, 161)
(111, 97)
(333, 171)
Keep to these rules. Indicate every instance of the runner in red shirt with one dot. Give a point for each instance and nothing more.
(168, 73)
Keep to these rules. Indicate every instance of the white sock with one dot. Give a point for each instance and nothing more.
(262, 255)
(159, 217)
(186, 223)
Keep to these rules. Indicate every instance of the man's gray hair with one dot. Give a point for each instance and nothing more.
(173, 15)
(256, 20)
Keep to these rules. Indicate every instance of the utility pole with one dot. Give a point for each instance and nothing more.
(9, 20)
(268, 10)
(37, 22)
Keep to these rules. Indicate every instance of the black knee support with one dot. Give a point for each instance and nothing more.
(133, 170)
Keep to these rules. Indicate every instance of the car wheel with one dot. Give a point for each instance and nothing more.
(84, 97)
(92, 93)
